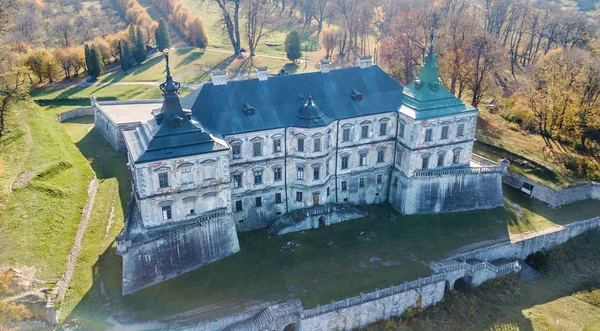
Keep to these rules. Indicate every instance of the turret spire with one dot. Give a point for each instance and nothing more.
(172, 113)
(429, 60)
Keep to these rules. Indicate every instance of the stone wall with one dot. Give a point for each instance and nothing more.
(552, 196)
(335, 214)
(522, 249)
(452, 190)
(79, 112)
(174, 251)
(107, 129)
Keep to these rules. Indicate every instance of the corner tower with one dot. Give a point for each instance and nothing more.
(180, 211)
(434, 169)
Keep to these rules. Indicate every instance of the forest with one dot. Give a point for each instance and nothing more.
(537, 59)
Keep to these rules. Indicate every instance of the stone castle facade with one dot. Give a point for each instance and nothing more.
(248, 153)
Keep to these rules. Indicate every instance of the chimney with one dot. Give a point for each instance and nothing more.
(263, 73)
(365, 62)
(219, 78)
(325, 66)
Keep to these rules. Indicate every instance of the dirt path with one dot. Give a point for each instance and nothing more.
(63, 283)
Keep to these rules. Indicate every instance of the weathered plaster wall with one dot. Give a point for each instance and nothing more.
(446, 193)
(337, 215)
(177, 251)
(79, 112)
(553, 196)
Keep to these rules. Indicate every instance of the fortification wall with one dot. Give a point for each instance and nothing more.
(107, 128)
(79, 112)
(551, 195)
(365, 313)
(314, 221)
(522, 249)
(176, 252)
(447, 193)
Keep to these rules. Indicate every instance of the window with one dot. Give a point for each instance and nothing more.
(362, 159)
(186, 174)
(399, 157)
(344, 185)
(316, 173)
(300, 144)
(361, 182)
(236, 150)
(276, 145)
(345, 162)
(444, 132)
(327, 190)
(380, 156)
(379, 178)
(317, 143)
(382, 129)
(364, 131)
(461, 130)
(328, 140)
(456, 157)
(401, 130)
(258, 177)
(258, 202)
(298, 196)
(208, 170)
(441, 157)
(166, 211)
(277, 197)
(276, 174)
(300, 173)
(190, 206)
(428, 135)
(257, 148)
(346, 134)
(425, 163)
(238, 205)
(395, 181)
(237, 180)
(327, 168)
(163, 179)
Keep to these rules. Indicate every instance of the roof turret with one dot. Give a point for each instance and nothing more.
(171, 111)
(427, 97)
(310, 115)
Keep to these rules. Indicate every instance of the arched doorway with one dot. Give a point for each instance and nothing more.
(321, 221)
(290, 327)
(463, 283)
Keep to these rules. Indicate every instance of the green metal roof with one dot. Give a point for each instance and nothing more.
(427, 97)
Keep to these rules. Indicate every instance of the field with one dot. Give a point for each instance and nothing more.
(567, 297)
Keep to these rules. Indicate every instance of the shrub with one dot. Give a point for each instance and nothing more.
(538, 260)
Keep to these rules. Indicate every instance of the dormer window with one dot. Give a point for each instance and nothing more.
(248, 108)
(356, 95)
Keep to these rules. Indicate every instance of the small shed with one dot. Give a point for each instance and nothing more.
(492, 105)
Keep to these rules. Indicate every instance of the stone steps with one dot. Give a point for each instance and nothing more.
(527, 273)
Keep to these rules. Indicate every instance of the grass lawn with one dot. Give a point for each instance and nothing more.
(156, 93)
(567, 297)
(80, 96)
(40, 220)
(14, 146)
(181, 60)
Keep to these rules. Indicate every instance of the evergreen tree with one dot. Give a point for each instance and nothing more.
(88, 60)
(132, 35)
(292, 46)
(95, 69)
(128, 56)
(162, 38)
(140, 46)
(123, 58)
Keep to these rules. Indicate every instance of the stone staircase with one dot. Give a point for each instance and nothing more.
(296, 216)
(527, 273)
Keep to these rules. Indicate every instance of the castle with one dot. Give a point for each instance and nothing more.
(287, 152)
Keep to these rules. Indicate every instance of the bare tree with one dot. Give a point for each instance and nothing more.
(485, 59)
(259, 12)
(14, 85)
(230, 21)
(62, 31)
